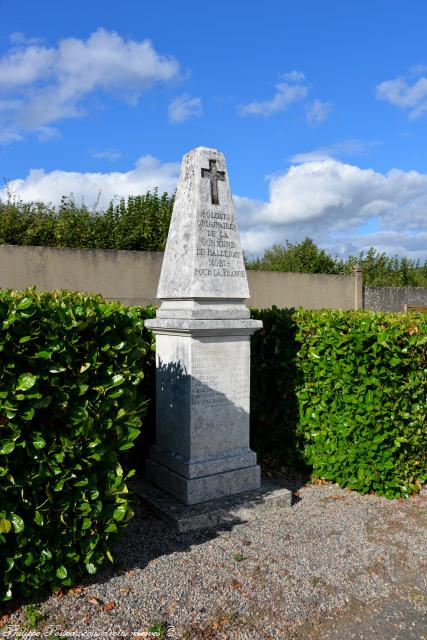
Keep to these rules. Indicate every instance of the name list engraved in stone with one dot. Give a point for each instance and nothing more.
(220, 376)
(217, 253)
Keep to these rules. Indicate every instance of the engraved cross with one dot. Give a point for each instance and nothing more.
(214, 175)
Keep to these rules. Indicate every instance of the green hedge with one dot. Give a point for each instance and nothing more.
(274, 404)
(346, 393)
(72, 394)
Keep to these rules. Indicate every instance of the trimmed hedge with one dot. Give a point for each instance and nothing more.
(346, 393)
(72, 394)
(274, 405)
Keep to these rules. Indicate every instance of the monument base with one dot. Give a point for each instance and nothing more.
(202, 449)
(222, 512)
(195, 490)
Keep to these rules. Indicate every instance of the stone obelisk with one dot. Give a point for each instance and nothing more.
(203, 331)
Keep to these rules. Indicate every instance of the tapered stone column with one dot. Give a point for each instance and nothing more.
(203, 331)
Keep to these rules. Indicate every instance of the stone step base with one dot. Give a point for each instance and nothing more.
(222, 512)
(195, 490)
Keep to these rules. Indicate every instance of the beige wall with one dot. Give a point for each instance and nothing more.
(132, 277)
(129, 276)
(308, 290)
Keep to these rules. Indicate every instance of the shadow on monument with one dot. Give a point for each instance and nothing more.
(274, 413)
(218, 425)
(218, 439)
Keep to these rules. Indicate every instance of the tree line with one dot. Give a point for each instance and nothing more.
(379, 269)
(141, 223)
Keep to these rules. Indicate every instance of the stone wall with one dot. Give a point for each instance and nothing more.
(129, 276)
(132, 277)
(393, 298)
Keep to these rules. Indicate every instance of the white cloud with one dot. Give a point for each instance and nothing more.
(109, 154)
(185, 107)
(286, 94)
(9, 135)
(408, 96)
(291, 89)
(47, 133)
(22, 67)
(147, 174)
(331, 201)
(18, 38)
(40, 85)
(350, 147)
(341, 194)
(258, 238)
(317, 112)
(294, 76)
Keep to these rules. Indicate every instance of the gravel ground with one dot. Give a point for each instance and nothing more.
(335, 565)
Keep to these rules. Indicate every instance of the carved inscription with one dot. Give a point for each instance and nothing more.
(218, 252)
(220, 375)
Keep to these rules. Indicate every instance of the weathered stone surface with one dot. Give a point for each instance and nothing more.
(393, 298)
(226, 511)
(203, 334)
(203, 256)
(203, 309)
(203, 411)
(197, 490)
(228, 326)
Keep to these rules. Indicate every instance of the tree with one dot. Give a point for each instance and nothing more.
(381, 270)
(304, 257)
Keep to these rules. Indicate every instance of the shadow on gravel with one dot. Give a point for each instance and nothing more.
(147, 537)
(143, 540)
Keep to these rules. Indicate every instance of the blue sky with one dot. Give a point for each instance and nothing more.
(320, 108)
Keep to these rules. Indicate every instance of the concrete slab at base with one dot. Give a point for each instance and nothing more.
(234, 509)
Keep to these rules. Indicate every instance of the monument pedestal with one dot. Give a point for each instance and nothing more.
(202, 435)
